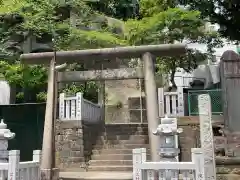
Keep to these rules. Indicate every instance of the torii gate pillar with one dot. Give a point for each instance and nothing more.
(152, 103)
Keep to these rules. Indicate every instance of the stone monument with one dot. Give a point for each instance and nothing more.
(206, 136)
(230, 82)
(5, 135)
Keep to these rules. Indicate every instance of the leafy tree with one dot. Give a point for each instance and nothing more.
(120, 9)
(225, 13)
(170, 26)
(21, 19)
(149, 8)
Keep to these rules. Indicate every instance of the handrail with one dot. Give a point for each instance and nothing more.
(78, 108)
(89, 102)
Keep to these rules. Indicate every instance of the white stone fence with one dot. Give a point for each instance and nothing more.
(15, 170)
(78, 108)
(143, 170)
(171, 103)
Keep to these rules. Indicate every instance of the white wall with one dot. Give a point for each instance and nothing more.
(4, 93)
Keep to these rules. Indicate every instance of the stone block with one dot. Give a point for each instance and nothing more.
(75, 146)
(74, 137)
(70, 124)
(58, 138)
(70, 153)
(220, 142)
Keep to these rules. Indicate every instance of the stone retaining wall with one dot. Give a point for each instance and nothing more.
(74, 143)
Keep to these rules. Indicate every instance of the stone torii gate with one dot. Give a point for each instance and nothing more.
(146, 53)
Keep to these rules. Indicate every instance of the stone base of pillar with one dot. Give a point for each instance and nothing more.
(55, 173)
(46, 174)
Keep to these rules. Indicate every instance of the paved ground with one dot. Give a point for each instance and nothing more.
(96, 175)
(121, 176)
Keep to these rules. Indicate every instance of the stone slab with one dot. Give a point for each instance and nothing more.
(69, 124)
(96, 175)
(120, 176)
(206, 135)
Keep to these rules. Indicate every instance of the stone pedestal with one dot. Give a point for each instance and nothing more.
(5, 135)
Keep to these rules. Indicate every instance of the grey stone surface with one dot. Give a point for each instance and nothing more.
(74, 143)
(230, 78)
(206, 136)
(96, 175)
(110, 74)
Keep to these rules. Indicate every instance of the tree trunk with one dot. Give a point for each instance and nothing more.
(172, 79)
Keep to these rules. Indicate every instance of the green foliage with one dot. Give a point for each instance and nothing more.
(88, 27)
(16, 74)
(19, 97)
(20, 19)
(120, 9)
(79, 39)
(149, 8)
(170, 26)
(89, 89)
(224, 13)
(41, 97)
(166, 27)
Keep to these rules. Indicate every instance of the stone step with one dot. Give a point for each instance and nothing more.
(123, 137)
(112, 157)
(95, 175)
(120, 146)
(110, 168)
(130, 141)
(119, 128)
(125, 126)
(126, 132)
(110, 162)
(113, 151)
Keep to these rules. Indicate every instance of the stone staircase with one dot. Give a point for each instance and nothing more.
(113, 149)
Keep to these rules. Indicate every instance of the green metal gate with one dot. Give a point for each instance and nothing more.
(216, 100)
(26, 120)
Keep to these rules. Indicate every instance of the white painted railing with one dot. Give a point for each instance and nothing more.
(78, 108)
(15, 170)
(171, 103)
(143, 170)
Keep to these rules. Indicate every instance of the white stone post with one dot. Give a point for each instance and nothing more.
(139, 156)
(13, 165)
(37, 158)
(198, 160)
(5, 135)
(180, 101)
(206, 136)
(37, 155)
(61, 106)
(161, 102)
(79, 104)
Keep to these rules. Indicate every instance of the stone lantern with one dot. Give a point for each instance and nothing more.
(5, 135)
(168, 133)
